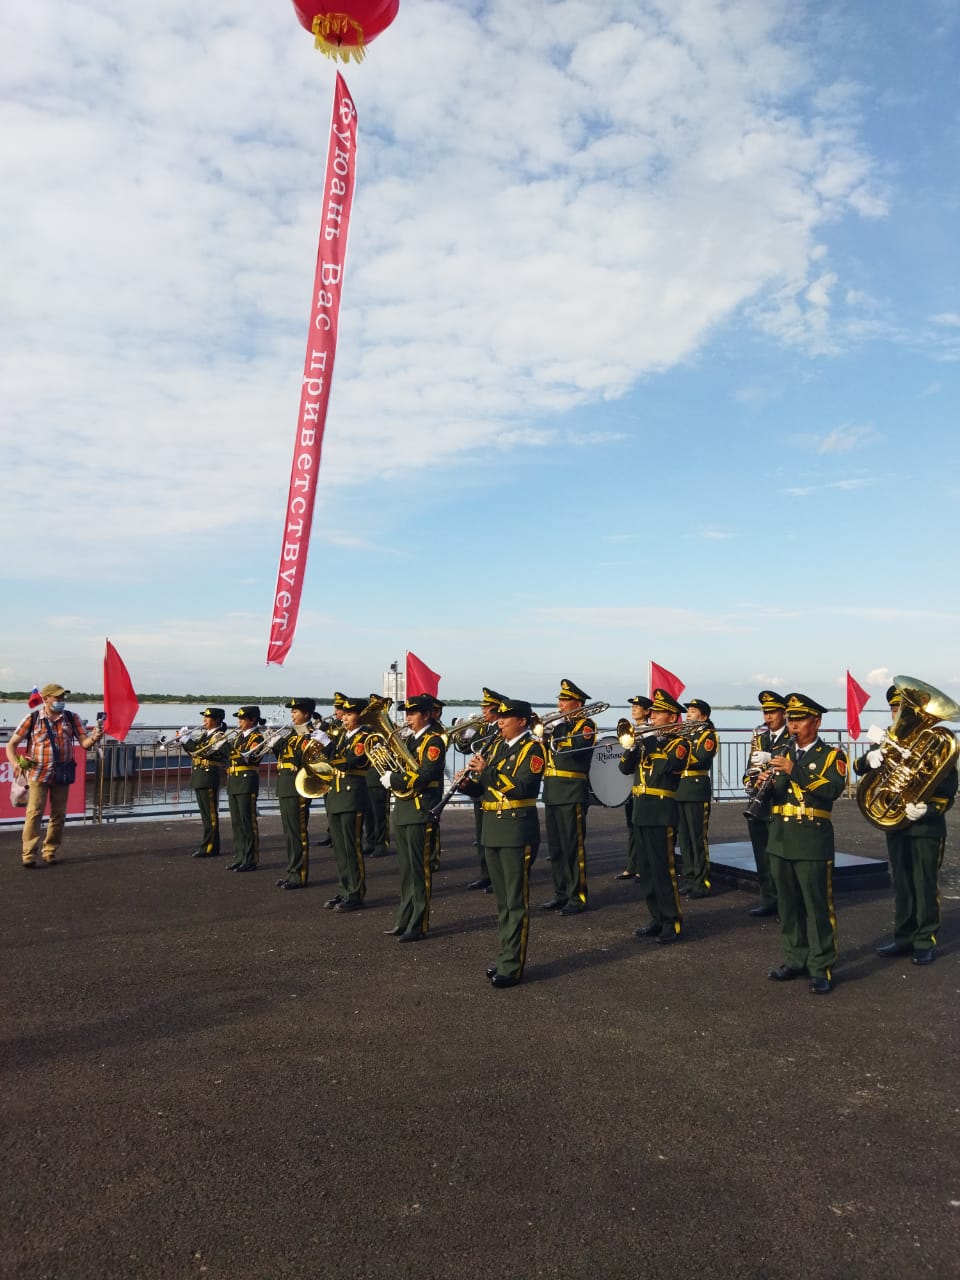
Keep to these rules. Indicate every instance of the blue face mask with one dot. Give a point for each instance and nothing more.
(59, 705)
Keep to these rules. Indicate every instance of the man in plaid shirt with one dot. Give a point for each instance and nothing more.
(47, 737)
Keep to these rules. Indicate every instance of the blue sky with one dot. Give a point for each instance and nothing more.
(649, 345)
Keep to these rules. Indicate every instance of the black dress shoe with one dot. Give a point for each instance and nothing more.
(924, 958)
(668, 936)
(29, 866)
(501, 980)
(250, 867)
(648, 931)
(555, 904)
(891, 949)
(348, 904)
(411, 937)
(479, 884)
(232, 866)
(572, 909)
(289, 884)
(491, 970)
(324, 842)
(699, 893)
(821, 985)
(488, 889)
(331, 903)
(395, 932)
(783, 973)
(765, 909)
(200, 853)
(624, 875)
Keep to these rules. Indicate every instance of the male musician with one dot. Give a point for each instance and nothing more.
(916, 855)
(508, 780)
(767, 742)
(376, 818)
(243, 787)
(294, 808)
(205, 761)
(657, 761)
(693, 802)
(489, 704)
(415, 831)
(639, 713)
(345, 804)
(436, 724)
(566, 794)
(809, 776)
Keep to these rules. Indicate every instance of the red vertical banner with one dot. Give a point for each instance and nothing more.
(317, 372)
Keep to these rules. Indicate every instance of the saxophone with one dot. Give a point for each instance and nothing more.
(916, 755)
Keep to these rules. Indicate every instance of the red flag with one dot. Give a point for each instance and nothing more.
(35, 700)
(661, 678)
(420, 679)
(119, 700)
(857, 699)
(317, 373)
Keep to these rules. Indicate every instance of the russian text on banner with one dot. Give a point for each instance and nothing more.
(317, 372)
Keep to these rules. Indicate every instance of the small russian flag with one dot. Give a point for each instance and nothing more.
(34, 700)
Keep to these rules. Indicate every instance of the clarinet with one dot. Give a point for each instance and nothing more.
(486, 741)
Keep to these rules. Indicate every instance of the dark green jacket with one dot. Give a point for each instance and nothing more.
(289, 755)
(426, 784)
(569, 751)
(349, 757)
(204, 772)
(695, 781)
(800, 826)
(508, 788)
(243, 779)
(657, 763)
(764, 739)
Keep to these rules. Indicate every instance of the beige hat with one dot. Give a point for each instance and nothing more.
(53, 691)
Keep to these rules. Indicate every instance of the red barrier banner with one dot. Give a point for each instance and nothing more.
(317, 372)
(76, 800)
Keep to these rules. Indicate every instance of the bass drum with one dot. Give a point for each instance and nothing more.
(608, 785)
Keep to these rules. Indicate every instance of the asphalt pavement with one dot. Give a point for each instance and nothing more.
(204, 1076)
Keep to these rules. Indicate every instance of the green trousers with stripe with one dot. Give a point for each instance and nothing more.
(808, 921)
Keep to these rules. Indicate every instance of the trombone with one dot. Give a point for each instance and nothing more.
(546, 723)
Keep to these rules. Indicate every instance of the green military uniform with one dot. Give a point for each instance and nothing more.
(657, 761)
(294, 808)
(566, 795)
(801, 849)
(376, 817)
(490, 698)
(694, 793)
(415, 830)
(205, 780)
(243, 787)
(346, 802)
(773, 742)
(638, 701)
(508, 786)
(916, 855)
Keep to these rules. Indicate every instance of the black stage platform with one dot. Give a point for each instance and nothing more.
(734, 862)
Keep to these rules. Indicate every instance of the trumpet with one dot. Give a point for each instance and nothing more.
(630, 734)
(270, 741)
(543, 724)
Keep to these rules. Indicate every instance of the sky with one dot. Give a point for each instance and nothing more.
(649, 346)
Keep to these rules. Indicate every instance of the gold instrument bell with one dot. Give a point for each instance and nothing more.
(915, 755)
(317, 775)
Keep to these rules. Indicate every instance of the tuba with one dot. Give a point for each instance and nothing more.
(385, 748)
(915, 755)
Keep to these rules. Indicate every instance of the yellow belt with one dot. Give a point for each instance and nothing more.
(498, 806)
(242, 768)
(653, 791)
(550, 772)
(800, 811)
(286, 768)
(695, 773)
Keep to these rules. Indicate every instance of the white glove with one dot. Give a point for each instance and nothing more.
(875, 734)
(468, 734)
(385, 781)
(759, 759)
(915, 811)
(321, 737)
(182, 733)
(874, 759)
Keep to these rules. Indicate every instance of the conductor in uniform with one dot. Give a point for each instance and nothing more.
(566, 795)
(657, 761)
(507, 780)
(767, 742)
(808, 777)
(414, 827)
(916, 855)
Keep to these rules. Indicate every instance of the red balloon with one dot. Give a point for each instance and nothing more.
(345, 31)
